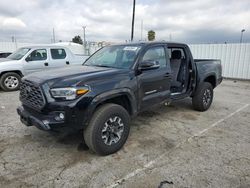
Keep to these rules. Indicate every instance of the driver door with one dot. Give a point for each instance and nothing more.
(37, 60)
(154, 84)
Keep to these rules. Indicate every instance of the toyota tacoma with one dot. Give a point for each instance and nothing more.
(112, 86)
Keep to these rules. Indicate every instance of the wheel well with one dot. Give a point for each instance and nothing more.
(211, 80)
(15, 71)
(122, 100)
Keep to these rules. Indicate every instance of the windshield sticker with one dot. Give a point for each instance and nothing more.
(130, 48)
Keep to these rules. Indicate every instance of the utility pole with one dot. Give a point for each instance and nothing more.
(141, 29)
(54, 37)
(241, 35)
(15, 42)
(133, 22)
(84, 39)
(170, 37)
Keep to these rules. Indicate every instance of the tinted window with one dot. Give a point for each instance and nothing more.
(38, 55)
(58, 53)
(156, 54)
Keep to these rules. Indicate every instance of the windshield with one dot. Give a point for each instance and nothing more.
(121, 57)
(18, 54)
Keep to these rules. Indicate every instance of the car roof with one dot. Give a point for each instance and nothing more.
(148, 43)
(44, 46)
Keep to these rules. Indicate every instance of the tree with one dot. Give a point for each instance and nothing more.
(77, 39)
(151, 35)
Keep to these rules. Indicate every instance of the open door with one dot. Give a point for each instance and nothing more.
(154, 82)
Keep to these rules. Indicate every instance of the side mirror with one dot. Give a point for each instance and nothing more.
(28, 59)
(149, 65)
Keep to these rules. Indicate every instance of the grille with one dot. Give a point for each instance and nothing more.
(31, 95)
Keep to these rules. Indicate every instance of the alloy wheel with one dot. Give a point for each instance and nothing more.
(112, 130)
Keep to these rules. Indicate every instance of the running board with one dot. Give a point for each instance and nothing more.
(173, 94)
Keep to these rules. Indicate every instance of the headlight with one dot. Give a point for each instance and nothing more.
(68, 93)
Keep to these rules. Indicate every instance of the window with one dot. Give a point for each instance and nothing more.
(58, 53)
(156, 54)
(170, 50)
(118, 56)
(109, 57)
(37, 55)
(19, 54)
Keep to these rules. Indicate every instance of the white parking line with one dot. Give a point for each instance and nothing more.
(233, 102)
(221, 120)
(152, 162)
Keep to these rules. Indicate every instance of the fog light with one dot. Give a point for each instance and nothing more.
(45, 122)
(60, 117)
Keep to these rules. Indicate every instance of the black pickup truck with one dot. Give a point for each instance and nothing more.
(113, 85)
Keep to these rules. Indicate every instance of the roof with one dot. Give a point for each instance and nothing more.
(42, 46)
(67, 44)
(147, 43)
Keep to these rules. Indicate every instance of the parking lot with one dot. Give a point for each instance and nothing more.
(172, 146)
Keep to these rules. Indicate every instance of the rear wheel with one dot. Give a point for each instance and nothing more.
(203, 97)
(10, 81)
(108, 129)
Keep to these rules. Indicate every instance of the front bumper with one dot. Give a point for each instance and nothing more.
(44, 122)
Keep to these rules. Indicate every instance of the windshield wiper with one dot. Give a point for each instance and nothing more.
(104, 66)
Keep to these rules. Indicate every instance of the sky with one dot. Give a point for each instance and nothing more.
(189, 21)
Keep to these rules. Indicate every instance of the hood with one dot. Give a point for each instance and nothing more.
(4, 60)
(73, 76)
(8, 64)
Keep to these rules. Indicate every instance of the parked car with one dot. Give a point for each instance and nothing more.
(113, 85)
(31, 59)
(4, 54)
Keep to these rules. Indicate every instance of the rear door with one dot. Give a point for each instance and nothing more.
(58, 58)
(37, 60)
(154, 85)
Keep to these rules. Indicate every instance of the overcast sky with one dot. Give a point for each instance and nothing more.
(191, 21)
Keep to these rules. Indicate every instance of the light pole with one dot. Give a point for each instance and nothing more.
(141, 29)
(133, 22)
(84, 39)
(54, 36)
(241, 35)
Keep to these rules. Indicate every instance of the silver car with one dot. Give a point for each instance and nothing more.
(31, 59)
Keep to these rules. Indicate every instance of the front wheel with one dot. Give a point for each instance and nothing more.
(108, 129)
(203, 97)
(10, 81)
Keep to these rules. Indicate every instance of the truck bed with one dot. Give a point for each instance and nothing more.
(207, 60)
(207, 67)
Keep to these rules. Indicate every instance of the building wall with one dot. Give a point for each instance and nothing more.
(235, 58)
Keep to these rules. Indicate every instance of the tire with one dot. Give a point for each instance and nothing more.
(100, 128)
(10, 81)
(203, 97)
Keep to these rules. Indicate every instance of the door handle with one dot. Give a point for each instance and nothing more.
(67, 62)
(46, 64)
(167, 75)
